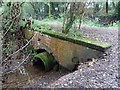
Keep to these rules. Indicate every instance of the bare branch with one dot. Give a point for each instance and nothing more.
(20, 48)
(18, 65)
(8, 28)
(12, 23)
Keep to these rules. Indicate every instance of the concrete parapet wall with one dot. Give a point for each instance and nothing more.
(65, 52)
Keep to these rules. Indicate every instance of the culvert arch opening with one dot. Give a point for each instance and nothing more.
(40, 50)
(39, 64)
(43, 60)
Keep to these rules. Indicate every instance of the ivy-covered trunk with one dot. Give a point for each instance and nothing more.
(13, 36)
(76, 11)
(71, 19)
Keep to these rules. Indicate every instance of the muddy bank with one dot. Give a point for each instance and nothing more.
(32, 76)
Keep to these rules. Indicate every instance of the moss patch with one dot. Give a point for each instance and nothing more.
(47, 59)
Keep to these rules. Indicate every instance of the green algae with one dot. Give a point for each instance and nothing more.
(47, 59)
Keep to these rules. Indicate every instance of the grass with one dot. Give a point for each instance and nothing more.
(94, 23)
(42, 25)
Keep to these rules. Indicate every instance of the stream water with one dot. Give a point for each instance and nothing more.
(32, 76)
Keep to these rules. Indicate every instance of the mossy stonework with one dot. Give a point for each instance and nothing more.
(66, 52)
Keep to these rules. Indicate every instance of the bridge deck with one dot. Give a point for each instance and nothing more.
(93, 44)
(101, 46)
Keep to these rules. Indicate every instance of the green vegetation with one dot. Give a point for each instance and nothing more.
(41, 25)
(96, 24)
(99, 14)
(31, 50)
(87, 22)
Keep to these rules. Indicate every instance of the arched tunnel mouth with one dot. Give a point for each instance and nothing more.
(43, 60)
(41, 50)
(38, 64)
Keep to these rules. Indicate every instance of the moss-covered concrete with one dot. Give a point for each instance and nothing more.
(77, 40)
(47, 59)
(81, 41)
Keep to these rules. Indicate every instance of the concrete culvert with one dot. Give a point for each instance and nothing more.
(38, 63)
(44, 60)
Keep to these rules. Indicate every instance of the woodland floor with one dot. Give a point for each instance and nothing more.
(102, 73)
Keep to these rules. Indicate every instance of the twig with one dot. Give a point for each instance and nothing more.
(12, 23)
(20, 48)
(2, 13)
(8, 29)
(18, 65)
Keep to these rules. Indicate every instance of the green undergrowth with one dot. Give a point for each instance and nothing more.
(95, 23)
(86, 22)
(31, 50)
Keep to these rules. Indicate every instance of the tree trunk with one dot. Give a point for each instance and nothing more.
(46, 10)
(71, 20)
(107, 6)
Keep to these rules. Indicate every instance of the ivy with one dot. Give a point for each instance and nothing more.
(31, 50)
